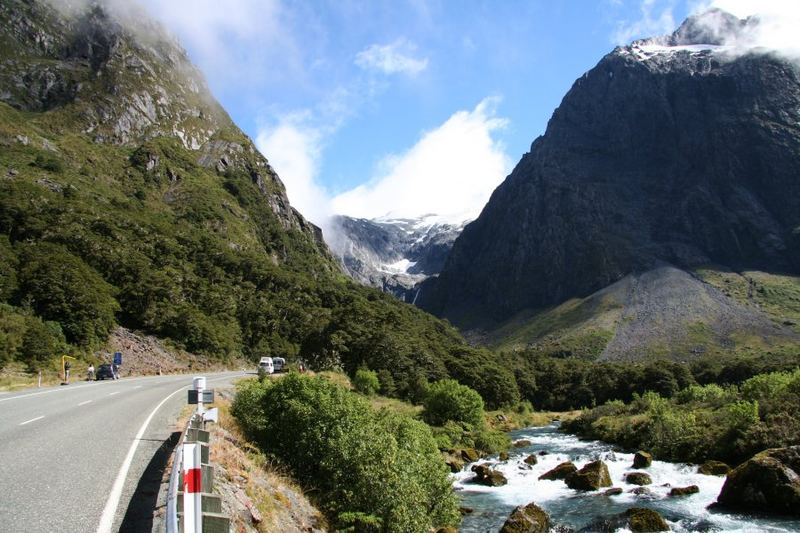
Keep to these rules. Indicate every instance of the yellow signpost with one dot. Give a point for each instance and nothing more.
(64, 367)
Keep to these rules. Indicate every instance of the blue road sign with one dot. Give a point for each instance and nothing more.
(117, 358)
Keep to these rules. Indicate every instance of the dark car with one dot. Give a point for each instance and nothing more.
(104, 371)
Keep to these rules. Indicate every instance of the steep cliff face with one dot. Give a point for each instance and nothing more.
(396, 254)
(109, 72)
(675, 150)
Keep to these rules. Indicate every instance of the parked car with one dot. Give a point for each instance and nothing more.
(279, 363)
(103, 372)
(267, 365)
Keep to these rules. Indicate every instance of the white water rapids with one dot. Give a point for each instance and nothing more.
(576, 509)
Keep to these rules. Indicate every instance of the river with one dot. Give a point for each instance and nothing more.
(574, 509)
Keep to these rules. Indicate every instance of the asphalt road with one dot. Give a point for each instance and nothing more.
(63, 448)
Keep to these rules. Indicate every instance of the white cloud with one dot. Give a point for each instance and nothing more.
(294, 149)
(777, 27)
(451, 171)
(393, 58)
(654, 20)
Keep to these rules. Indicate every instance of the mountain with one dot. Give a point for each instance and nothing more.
(671, 154)
(129, 198)
(393, 254)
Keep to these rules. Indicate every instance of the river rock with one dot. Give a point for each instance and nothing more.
(562, 471)
(504, 456)
(636, 519)
(714, 468)
(644, 492)
(592, 476)
(638, 478)
(531, 459)
(613, 491)
(470, 455)
(522, 443)
(642, 459)
(527, 519)
(544, 452)
(448, 529)
(769, 482)
(454, 462)
(684, 491)
(486, 476)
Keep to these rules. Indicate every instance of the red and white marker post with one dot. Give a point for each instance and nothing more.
(192, 488)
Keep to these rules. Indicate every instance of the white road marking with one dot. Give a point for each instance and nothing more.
(138, 387)
(84, 403)
(113, 393)
(43, 392)
(107, 518)
(31, 420)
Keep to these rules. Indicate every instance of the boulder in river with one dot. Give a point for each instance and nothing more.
(522, 443)
(454, 462)
(562, 471)
(769, 482)
(486, 476)
(642, 459)
(636, 519)
(470, 455)
(613, 491)
(684, 491)
(638, 478)
(527, 519)
(503, 456)
(714, 468)
(592, 476)
(531, 459)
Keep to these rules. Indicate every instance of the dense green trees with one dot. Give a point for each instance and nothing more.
(449, 401)
(381, 465)
(703, 422)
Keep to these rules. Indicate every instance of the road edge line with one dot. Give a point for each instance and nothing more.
(110, 509)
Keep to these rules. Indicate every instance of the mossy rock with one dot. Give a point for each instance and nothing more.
(684, 491)
(642, 459)
(592, 476)
(489, 477)
(503, 456)
(714, 468)
(641, 520)
(454, 462)
(448, 529)
(613, 491)
(638, 478)
(562, 471)
(531, 459)
(470, 455)
(527, 519)
(522, 443)
(769, 482)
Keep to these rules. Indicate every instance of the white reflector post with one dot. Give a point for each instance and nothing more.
(192, 488)
(199, 384)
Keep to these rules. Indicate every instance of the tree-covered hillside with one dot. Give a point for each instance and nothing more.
(127, 196)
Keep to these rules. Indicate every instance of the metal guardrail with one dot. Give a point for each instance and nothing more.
(201, 510)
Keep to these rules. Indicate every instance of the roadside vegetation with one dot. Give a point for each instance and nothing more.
(368, 468)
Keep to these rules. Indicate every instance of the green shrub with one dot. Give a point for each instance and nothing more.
(765, 386)
(449, 400)
(379, 465)
(49, 163)
(388, 387)
(366, 382)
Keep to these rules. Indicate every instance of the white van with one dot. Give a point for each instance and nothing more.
(266, 364)
(279, 363)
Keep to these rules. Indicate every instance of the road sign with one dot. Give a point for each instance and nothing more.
(117, 358)
(208, 396)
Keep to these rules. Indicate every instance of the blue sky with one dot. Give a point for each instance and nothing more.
(402, 107)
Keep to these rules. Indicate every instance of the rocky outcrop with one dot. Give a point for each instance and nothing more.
(487, 476)
(393, 254)
(714, 468)
(769, 482)
(678, 157)
(527, 519)
(562, 471)
(638, 478)
(642, 459)
(593, 476)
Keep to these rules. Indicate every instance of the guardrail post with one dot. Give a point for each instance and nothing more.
(192, 488)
